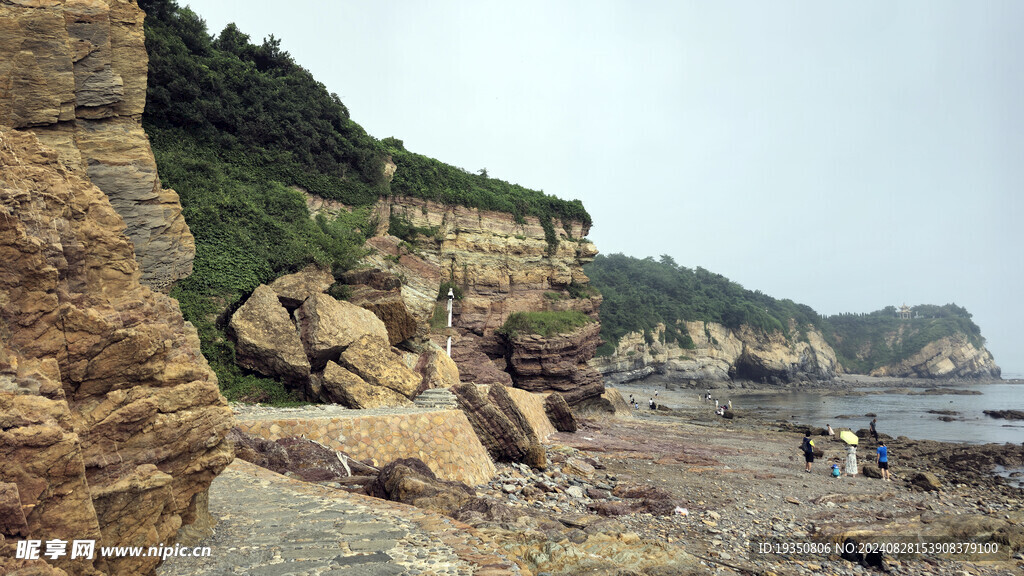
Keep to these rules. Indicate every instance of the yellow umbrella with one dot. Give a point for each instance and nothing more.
(849, 437)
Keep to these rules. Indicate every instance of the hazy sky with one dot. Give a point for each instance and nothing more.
(845, 155)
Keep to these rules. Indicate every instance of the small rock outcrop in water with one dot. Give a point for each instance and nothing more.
(1007, 414)
(111, 423)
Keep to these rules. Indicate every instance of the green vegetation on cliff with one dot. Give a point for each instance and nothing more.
(864, 342)
(544, 323)
(253, 106)
(235, 128)
(639, 294)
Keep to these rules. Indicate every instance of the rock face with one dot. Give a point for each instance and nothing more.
(75, 74)
(720, 354)
(111, 423)
(949, 357)
(557, 363)
(499, 266)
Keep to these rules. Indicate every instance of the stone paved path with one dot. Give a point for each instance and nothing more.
(271, 525)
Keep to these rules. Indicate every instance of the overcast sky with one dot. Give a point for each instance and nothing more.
(845, 155)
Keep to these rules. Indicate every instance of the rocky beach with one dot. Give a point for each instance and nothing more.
(683, 491)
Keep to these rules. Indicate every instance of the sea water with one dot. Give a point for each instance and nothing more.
(901, 414)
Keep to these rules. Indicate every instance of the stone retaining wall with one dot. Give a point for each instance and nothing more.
(442, 439)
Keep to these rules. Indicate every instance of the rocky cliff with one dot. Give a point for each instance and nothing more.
(949, 357)
(111, 423)
(499, 266)
(724, 354)
(720, 354)
(74, 72)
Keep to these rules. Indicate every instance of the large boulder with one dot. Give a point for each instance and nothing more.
(438, 370)
(294, 289)
(390, 308)
(504, 439)
(410, 481)
(266, 340)
(340, 386)
(327, 326)
(371, 358)
(558, 412)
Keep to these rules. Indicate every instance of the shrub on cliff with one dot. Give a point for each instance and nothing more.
(545, 323)
(254, 106)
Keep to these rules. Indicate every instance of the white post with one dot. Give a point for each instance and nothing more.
(451, 298)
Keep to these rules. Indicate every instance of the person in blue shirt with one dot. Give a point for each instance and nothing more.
(883, 462)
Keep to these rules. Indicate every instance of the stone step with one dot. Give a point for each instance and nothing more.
(436, 398)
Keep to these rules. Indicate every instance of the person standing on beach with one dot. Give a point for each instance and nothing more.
(851, 460)
(808, 447)
(831, 432)
(883, 462)
(874, 431)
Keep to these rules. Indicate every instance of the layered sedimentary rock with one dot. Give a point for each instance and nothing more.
(500, 426)
(499, 266)
(111, 424)
(949, 357)
(557, 363)
(720, 353)
(74, 73)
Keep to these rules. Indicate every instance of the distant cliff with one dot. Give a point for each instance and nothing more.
(718, 353)
(659, 318)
